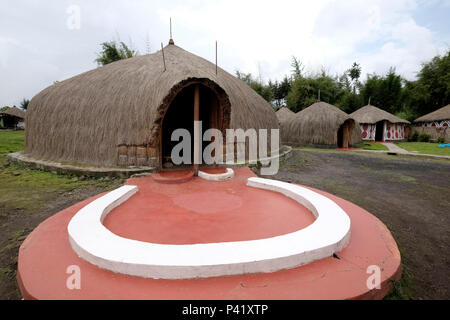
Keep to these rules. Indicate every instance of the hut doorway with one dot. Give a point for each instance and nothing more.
(181, 114)
(379, 131)
(344, 134)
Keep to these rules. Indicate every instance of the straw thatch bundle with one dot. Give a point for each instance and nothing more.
(284, 114)
(371, 115)
(14, 112)
(118, 109)
(318, 125)
(438, 115)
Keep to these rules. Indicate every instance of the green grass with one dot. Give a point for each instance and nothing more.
(374, 146)
(424, 148)
(24, 189)
(11, 141)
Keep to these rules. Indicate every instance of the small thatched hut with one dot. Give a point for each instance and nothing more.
(379, 125)
(123, 114)
(321, 124)
(436, 124)
(12, 118)
(284, 114)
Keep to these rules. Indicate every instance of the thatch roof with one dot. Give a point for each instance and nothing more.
(371, 114)
(317, 125)
(284, 114)
(15, 112)
(440, 114)
(85, 118)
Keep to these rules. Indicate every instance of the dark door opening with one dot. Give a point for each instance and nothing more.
(379, 131)
(180, 115)
(343, 135)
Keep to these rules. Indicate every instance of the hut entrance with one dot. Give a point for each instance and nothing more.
(379, 131)
(181, 114)
(344, 134)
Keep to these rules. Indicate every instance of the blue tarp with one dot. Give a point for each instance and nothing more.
(444, 145)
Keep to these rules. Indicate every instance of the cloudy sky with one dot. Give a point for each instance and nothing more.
(43, 41)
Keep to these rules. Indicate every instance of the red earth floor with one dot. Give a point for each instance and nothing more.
(202, 211)
(207, 211)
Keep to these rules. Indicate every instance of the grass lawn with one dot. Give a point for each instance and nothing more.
(424, 148)
(374, 146)
(22, 188)
(27, 197)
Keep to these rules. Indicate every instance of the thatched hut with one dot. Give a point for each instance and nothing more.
(123, 114)
(12, 118)
(321, 124)
(436, 124)
(379, 125)
(284, 114)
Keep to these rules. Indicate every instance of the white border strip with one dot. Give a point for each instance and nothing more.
(93, 242)
(217, 177)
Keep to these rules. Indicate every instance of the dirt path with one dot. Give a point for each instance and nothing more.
(411, 196)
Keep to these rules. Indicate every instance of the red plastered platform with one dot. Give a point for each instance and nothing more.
(200, 211)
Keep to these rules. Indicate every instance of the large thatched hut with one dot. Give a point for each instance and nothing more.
(379, 125)
(436, 124)
(12, 118)
(123, 114)
(321, 124)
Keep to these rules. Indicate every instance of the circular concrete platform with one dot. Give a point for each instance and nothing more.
(46, 254)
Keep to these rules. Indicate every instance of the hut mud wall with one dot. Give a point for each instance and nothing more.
(434, 131)
(394, 131)
(368, 131)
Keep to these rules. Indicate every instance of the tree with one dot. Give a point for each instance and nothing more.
(263, 90)
(354, 73)
(114, 51)
(297, 68)
(385, 92)
(24, 104)
(305, 91)
(431, 91)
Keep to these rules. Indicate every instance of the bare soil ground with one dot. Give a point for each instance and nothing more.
(411, 196)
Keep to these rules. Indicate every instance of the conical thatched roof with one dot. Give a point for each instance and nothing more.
(284, 114)
(86, 118)
(440, 114)
(15, 112)
(317, 125)
(371, 114)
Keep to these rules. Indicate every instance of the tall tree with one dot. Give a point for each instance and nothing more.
(386, 92)
(354, 73)
(24, 104)
(305, 91)
(114, 51)
(264, 91)
(431, 91)
(297, 68)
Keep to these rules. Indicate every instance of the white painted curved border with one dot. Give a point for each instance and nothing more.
(93, 242)
(217, 177)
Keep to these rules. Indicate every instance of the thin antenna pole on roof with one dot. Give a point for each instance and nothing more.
(164, 58)
(216, 57)
(171, 38)
(319, 96)
(369, 100)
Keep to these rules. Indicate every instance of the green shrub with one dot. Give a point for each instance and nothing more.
(423, 137)
(441, 140)
(415, 136)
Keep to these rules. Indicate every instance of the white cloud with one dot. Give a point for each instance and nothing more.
(37, 48)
